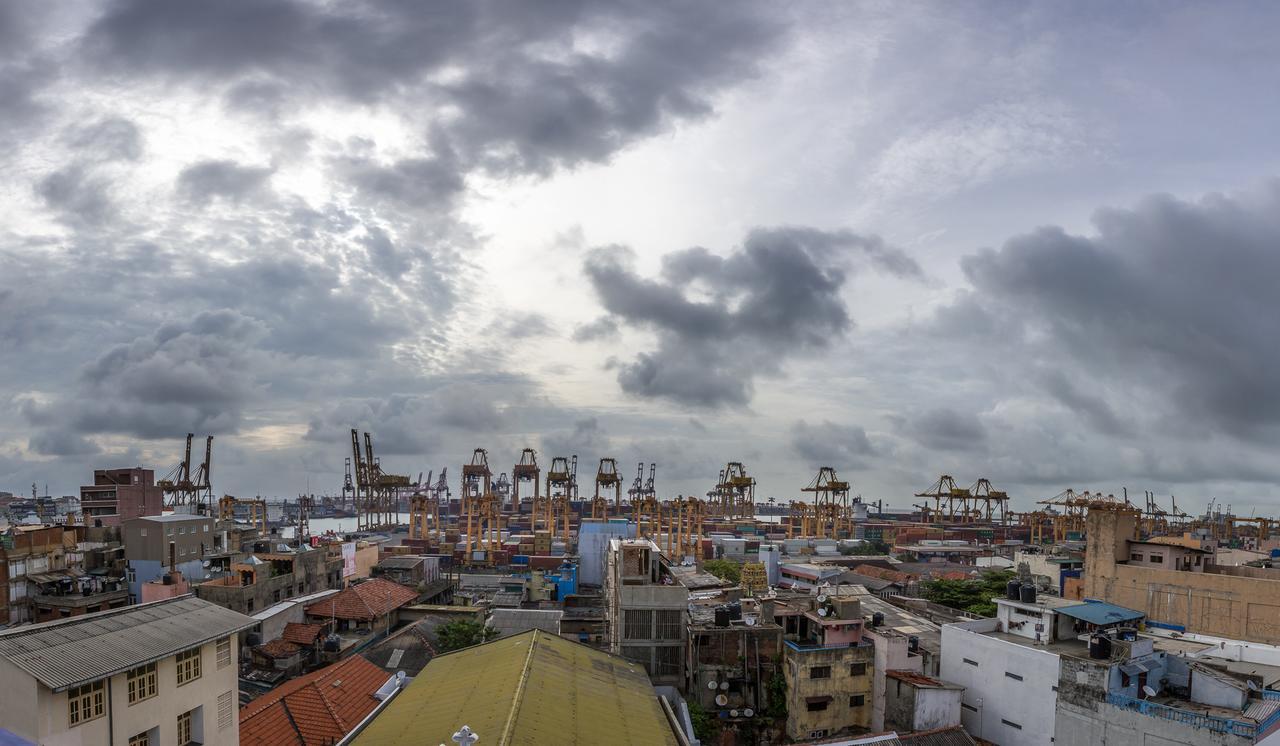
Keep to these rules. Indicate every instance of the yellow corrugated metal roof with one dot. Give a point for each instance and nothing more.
(532, 688)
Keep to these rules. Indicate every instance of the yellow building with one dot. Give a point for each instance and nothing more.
(533, 688)
(830, 668)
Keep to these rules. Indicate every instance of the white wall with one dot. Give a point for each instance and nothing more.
(991, 696)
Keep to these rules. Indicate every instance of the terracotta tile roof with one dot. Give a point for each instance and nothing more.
(319, 708)
(872, 571)
(277, 649)
(302, 634)
(364, 601)
(954, 575)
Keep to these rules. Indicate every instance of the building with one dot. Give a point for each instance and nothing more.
(914, 702)
(646, 610)
(318, 709)
(1008, 667)
(829, 667)
(29, 554)
(904, 642)
(267, 578)
(1238, 603)
(530, 688)
(70, 593)
(117, 495)
(161, 673)
(370, 606)
(510, 622)
(149, 539)
(733, 656)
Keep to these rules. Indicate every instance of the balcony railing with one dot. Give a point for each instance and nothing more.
(1198, 719)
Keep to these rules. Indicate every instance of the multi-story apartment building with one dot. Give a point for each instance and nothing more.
(150, 675)
(647, 610)
(29, 554)
(194, 541)
(267, 578)
(830, 666)
(120, 494)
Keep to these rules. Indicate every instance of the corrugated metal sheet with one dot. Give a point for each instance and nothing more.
(532, 688)
(70, 652)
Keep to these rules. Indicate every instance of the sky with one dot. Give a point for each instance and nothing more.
(1031, 242)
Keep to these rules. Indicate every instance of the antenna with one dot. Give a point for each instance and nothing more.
(1147, 690)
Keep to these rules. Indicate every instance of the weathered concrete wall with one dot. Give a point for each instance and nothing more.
(1114, 726)
(841, 686)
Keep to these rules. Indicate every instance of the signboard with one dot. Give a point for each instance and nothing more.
(348, 559)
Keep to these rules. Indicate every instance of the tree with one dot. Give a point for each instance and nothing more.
(724, 569)
(705, 727)
(777, 688)
(462, 633)
(973, 596)
(867, 548)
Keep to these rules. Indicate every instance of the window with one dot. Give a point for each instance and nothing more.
(169, 531)
(184, 728)
(637, 624)
(142, 739)
(141, 532)
(817, 706)
(142, 683)
(968, 707)
(858, 669)
(1158, 559)
(224, 652)
(857, 700)
(972, 663)
(668, 621)
(1013, 676)
(182, 530)
(820, 672)
(206, 528)
(1012, 724)
(668, 660)
(188, 667)
(225, 710)
(1135, 557)
(86, 702)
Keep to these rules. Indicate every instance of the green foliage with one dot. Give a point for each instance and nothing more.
(973, 596)
(724, 569)
(462, 633)
(705, 726)
(777, 689)
(870, 547)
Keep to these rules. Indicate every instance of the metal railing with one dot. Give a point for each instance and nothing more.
(1198, 719)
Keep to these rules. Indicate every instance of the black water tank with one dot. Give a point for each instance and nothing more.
(1011, 589)
(1099, 647)
(913, 644)
(735, 611)
(722, 616)
(1028, 593)
(877, 619)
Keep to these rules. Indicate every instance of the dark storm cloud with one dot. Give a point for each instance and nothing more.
(1173, 300)
(777, 296)
(945, 429)
(62, 443)
(109, 139)
(77, 195)
(411, 183)
(829, 444)
(602, 329)
(206, 181)
(530, 99)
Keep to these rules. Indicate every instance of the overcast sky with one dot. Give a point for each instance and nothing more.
(1037, 243)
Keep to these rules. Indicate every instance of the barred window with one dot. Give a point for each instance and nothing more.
(86, 702)
(142, 683)
(224, 652)
(858, 669)
(820, 672)
(667, 660)
(188, 667)
(637, 624)
(669, 623)
(225, 710)
(142, 739)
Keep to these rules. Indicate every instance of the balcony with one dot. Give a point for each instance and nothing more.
(809, 647)
(1244, 728)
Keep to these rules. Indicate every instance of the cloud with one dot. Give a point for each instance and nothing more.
(79, 196)
(603, 329)
(944, 429)
(723, 321)
(206, 181)
(830, 444)
(62, 443)
(109, 139)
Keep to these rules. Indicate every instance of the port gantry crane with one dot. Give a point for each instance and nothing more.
(481, 508)
(608, 480)
(526, 470)
(182, 488)
(979, 503)
(562, 487)
(735, 493)
(424, 507)
(830, 512)
(684, 517)
(376, 492)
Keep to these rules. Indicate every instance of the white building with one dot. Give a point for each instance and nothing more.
(156, 674)
(1008, 667)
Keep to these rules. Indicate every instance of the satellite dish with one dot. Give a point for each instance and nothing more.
(205, 564)
(724, 686)
(822, 612)
(751, 621)
(712, 685)
(733, 713)
(822, 599)
(748, 712)
(722, 700)
(1251, 684)
(1147, 690)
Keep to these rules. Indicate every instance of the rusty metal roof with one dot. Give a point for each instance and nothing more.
(70, 652)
